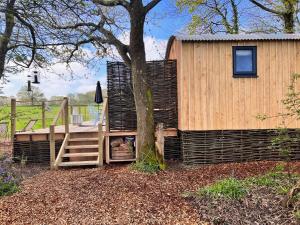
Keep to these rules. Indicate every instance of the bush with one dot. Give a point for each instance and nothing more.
(228, 188)
(8, 184)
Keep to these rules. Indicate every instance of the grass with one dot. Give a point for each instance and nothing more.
(27, 112)
(145, 167)
(233, 188)
(228, 188)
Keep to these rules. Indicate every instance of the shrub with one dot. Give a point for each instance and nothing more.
(8, 184)
(228, 188)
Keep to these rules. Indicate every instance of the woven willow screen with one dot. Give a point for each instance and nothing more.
(162, 77)
(222, 146)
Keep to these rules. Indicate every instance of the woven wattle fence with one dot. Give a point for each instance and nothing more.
(172, 148)
(162, 77)
(207, 147)
(34, 151)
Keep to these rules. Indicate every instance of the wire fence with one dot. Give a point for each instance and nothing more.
(39, 115)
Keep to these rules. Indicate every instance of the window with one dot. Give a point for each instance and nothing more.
(244, 61)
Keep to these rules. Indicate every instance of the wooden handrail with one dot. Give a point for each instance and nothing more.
(101, 132)
(61, 151)
(63, 108)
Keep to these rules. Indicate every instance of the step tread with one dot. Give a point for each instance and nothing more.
(122, 160)
(80, 154)
(82, 139)
(81, 146)
(79, 163)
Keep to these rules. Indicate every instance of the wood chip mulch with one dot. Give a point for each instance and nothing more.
(116, 195)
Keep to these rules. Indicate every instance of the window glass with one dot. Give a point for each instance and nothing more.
(244, 61)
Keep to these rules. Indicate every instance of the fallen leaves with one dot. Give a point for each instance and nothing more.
(115, 195)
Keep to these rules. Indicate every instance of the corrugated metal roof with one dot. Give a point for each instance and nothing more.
(237, 37)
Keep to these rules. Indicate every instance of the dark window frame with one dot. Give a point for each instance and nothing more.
(245, 74)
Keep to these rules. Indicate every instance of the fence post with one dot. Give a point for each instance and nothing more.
(52, 146)
(13, 110)
(43, 115)
(66, 115)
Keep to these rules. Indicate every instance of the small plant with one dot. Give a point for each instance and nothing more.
(228, 188)
(297, 215)
(284, 140)
(8, 184)
(145, 167)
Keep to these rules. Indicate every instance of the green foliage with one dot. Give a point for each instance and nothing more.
(283, 141)
(35, 95)
(228, 188)
(211, 16)
(233, 188)
(297, 215)
(8, 184)
(149, 162)
(144, 167)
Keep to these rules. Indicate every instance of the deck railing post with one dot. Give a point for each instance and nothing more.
(107, 146)
(100, 143)
(52, 146)
(43, 115)
(13, 110)
(66, 115)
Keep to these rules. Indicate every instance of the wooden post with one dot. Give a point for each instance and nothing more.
(13, 111)
(43, 115)
(107, 145)
(66, 115)
(62, 117)
(52, 146)
(160, 142)
(100, 143)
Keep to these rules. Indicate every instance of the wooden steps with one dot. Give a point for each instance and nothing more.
(81, 149)
(79, 163)
(81, 146)
(83, 139)
(81, 154)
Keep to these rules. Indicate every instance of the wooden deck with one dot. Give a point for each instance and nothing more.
(43, 134)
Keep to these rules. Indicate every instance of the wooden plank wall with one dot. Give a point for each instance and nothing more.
(209, 98)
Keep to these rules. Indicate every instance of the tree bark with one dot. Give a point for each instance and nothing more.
(5, 38)
(142, 91)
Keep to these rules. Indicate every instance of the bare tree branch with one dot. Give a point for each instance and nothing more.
(266, 8)
(151, 5)
(110, 3)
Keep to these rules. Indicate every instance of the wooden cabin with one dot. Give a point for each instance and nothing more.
(224, 82)
(207, 93)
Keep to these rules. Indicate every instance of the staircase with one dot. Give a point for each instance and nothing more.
(79, 149)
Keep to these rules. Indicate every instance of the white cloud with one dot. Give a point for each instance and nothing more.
(79, 79)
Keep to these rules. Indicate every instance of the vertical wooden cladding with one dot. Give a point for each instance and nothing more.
(209, 98)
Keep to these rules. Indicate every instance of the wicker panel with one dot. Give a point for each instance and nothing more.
(207, 147)
(172, 148)
(121, 107)
(34, 151)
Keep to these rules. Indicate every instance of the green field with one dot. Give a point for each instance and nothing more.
(25, 113)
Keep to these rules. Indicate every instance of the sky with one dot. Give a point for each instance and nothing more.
(157, 32)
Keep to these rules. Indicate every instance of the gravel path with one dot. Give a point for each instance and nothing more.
(115, 195)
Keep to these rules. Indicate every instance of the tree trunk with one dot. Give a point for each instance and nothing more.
(142, 91)
(289, 22)
(5, 38)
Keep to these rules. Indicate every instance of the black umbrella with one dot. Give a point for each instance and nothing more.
(98, 94)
